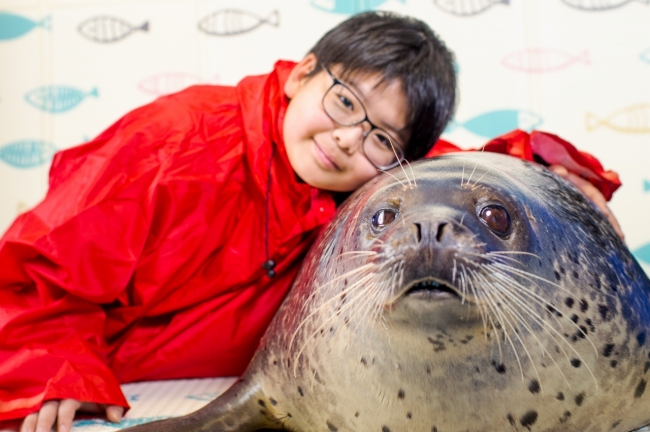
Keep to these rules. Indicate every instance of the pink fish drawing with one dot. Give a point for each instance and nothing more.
(168, 82)
(631, 119)
(541, 60)
(108, 29)
(467, 7)
(600, 5)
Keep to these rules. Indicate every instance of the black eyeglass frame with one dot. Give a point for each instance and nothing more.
(399, 154)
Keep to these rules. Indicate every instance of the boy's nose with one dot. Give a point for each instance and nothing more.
(349, 138)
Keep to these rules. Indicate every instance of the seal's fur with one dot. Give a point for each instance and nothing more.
(483, 293)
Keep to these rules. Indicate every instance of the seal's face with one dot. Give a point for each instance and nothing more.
(489, 296)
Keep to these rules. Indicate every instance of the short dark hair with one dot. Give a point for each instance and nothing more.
(402, 48)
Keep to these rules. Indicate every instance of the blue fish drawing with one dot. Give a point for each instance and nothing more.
(13, 26)
(646, 186)
(125, 423)
(645, 56)
(467, 8)
(108, 29)
(643, 253)
(204, 396)
(495, 123)
(348, 7)
(27, 153)
(599, 5)
(231, 22)
(57, 99)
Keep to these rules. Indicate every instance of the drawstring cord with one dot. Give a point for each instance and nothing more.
(269, 264)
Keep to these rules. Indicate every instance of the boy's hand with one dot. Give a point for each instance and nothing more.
(62, 412)
(592, 193)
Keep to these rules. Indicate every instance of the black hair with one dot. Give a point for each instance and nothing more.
(399, 48)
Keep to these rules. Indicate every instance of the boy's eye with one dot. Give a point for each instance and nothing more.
(383, 140)
(496, 218)
(347, 103)
(383, 217)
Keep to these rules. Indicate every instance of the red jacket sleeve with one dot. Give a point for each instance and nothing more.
(549, 149)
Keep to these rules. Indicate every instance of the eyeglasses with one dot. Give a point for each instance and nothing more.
(345, 109)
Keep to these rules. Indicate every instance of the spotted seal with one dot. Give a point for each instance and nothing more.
(477, 293)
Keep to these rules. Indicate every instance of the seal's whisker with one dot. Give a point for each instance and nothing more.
(412, 172)
(477, 181)
(472, 174)
(462, 218)
(462, 177)
(390, 174)
(357, 253)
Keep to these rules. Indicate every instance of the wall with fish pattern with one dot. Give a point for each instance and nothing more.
(578, 68)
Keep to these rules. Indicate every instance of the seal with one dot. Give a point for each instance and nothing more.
(477, 293)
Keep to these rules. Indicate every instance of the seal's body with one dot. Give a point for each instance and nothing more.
(488, 296)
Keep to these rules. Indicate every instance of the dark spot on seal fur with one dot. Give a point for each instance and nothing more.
(580, 398)
(356, 414)
(575, 318)
(569, 302)
(500, 367)
(576, 275)
(364, 361)
(641, 338)
(613, 363)
(300, 392)
(575, 363)
(437, 345)
(638, 392)
(401, 394)
(591, 325)
(560, 396)
(408, 416)
(434, 429)
(331, 427)
(528, 419)
(553, 310)
(583, 332)
(262, 404)
(534, 386)
(608, 350)
(584, 306)
(273, 401)
(616, 423)
(385, 429)
(557, 275)
(646, 367)
(511, 420)
(603, 310)
(565, 416)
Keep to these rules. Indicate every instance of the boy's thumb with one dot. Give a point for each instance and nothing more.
(114, 413)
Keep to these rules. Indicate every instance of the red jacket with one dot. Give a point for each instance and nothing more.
(144, 261)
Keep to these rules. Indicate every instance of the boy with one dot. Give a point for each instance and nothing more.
(165, 246)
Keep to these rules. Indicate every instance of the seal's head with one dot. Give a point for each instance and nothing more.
(481, 293)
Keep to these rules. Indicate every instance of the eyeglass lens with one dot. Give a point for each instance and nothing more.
(347, 110)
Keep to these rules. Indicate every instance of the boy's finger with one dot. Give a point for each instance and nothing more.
(114, 413)
(29, 424)
(47, 416)
(67, 410)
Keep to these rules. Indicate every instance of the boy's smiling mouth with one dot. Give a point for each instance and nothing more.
(323, 157)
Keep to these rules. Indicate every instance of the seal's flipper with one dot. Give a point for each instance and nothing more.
(237, 410)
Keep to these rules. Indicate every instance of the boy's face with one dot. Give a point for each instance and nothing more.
(324, 154)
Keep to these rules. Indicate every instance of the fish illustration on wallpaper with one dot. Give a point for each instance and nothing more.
(600, 5)
(646, 185)
(499, 122)
(348, 7)
(541, 60)
(645, 56)
(13, 26)
(127, 422)
(27, 153)
(232, 22)
(643, 253)
(631, 119)
(467, 7)
(57, 98)
(171, 82)
(108, 29)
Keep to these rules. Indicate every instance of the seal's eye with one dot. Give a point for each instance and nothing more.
(496, 218)
(383, 217)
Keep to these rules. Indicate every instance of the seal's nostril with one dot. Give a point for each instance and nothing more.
(418, 232)
(441, 228)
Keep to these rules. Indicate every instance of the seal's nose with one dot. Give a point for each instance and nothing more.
(433, 231)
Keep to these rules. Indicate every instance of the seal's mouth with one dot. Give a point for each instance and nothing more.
(431, 290)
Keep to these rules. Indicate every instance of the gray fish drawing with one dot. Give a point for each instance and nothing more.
(27, 153)
(467, 7)
(107, 29)
(599, 5)
(231, 22)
